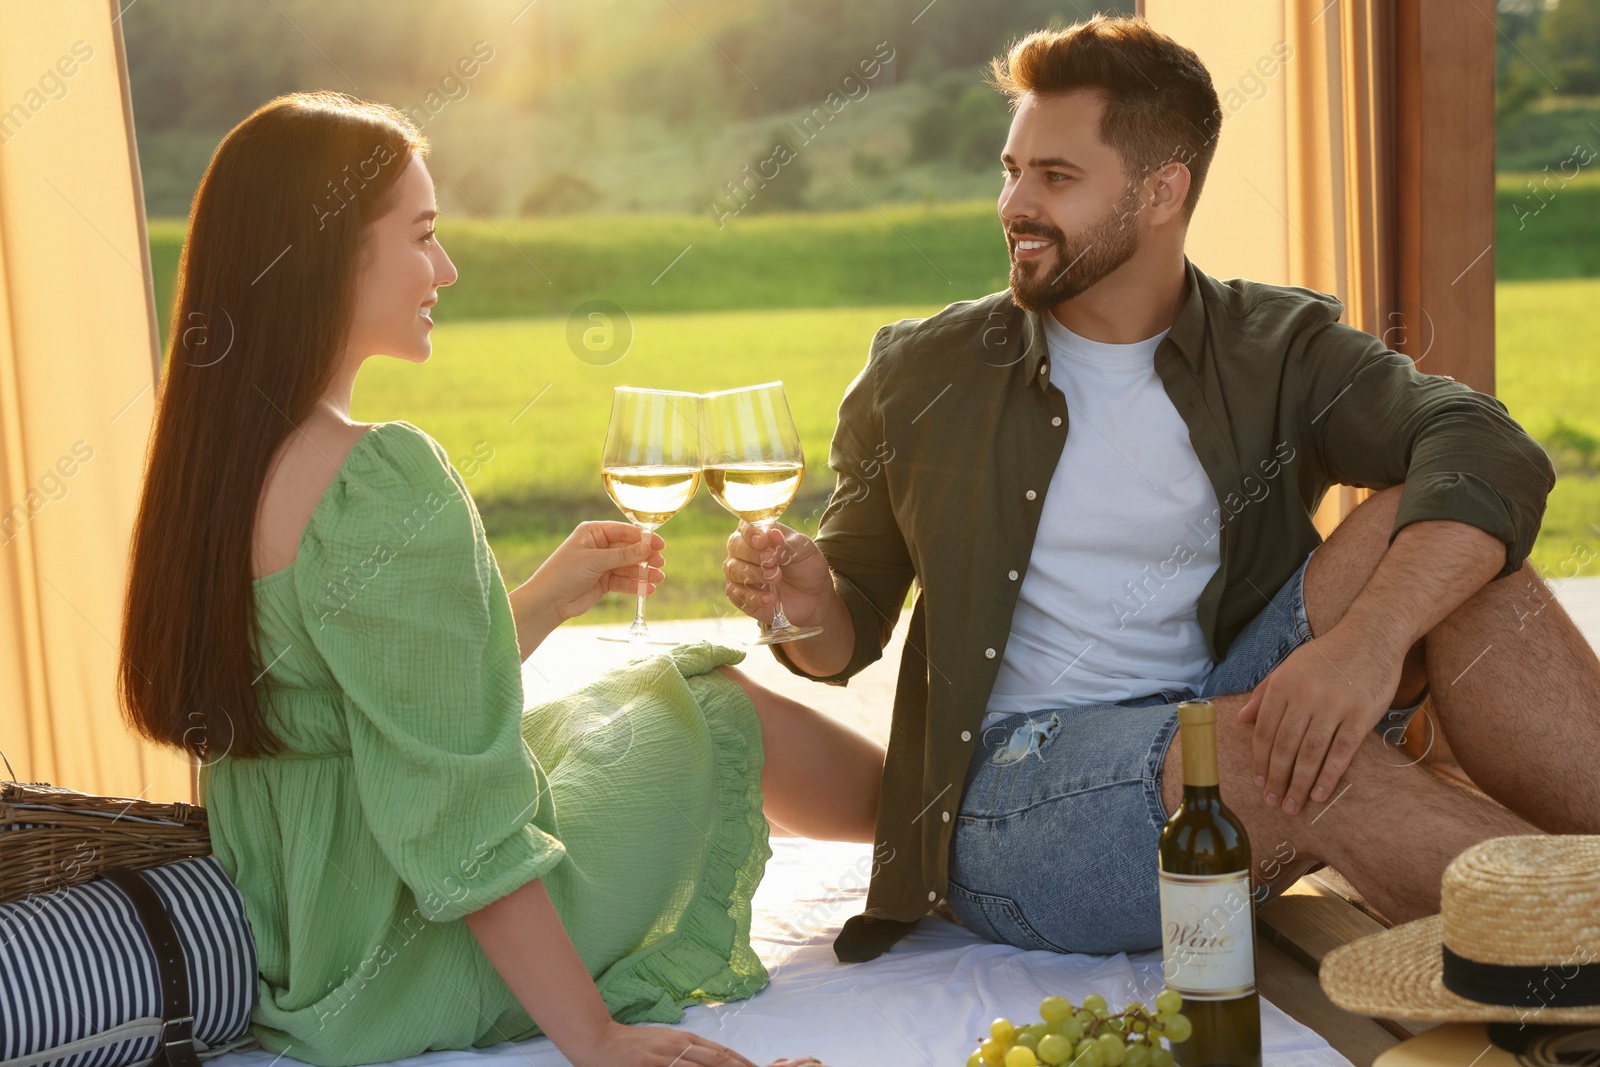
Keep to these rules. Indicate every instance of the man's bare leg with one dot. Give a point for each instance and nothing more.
(1524, 729)
(1391, 828)
(1518, 693)
(1515, 684)
(820, 778)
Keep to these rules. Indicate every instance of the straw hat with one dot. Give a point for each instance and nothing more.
(1517, 939)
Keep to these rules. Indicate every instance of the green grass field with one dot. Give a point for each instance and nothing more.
(934, 254)
(542, 474)
(797, 298)
(520, 268)
(1547, 225)
(512, 391)
(1549, 379)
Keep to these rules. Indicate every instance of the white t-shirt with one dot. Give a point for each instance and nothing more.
(1107, 610)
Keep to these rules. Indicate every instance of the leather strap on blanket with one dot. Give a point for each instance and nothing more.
(175, 1046)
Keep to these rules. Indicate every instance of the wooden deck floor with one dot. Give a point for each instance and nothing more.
(1316, 915)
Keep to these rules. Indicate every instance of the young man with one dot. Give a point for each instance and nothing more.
(1102, 482)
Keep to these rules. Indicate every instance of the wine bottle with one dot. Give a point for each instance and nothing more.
(1207, 910)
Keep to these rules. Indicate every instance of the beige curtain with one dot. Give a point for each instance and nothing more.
(1341, 172)
(78, 360)
(1301, 189)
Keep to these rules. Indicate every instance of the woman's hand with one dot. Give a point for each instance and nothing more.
(653, 1046)
(598, 558)
(523, 938)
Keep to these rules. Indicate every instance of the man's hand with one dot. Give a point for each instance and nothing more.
(760, 565)
(1315, 709)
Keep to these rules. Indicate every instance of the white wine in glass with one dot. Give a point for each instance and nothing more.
(753, 466)
(651, 466)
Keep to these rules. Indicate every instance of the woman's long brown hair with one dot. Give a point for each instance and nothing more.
(265, 294)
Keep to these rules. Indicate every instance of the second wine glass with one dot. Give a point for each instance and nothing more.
(651, 466)
(753, 466)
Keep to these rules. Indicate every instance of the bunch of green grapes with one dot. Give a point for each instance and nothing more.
(1088, 1035)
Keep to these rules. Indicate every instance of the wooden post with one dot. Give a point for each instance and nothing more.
(1441, 311)
(1444, 171)
(1444, 192)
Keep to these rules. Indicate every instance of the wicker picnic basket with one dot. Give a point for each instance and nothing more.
(52, 838)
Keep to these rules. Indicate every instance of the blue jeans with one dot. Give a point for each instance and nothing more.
(1055, 843)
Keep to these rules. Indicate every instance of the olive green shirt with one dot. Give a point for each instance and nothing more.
(944, 451)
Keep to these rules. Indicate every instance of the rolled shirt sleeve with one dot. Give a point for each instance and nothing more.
(1376, 421)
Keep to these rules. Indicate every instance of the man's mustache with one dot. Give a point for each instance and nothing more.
(1021, 230)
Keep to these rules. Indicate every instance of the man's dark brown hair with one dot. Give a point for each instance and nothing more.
(1160, 106)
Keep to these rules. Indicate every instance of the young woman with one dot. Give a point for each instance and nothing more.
(313, 611)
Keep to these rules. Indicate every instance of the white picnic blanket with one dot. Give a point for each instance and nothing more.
(924, 1002)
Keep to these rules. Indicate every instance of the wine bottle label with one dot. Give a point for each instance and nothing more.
(1208, 935)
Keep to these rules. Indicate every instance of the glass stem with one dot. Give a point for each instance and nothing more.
(638, 630)
(779, 620)
(638, 614)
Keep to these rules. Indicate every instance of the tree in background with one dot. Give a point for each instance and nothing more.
(786, 191)
(645, 102)
(1519, 78)
(560, 193)
(964, 122)
(1570, 33)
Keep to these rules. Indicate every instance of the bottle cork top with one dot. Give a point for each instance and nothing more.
(1197, 729)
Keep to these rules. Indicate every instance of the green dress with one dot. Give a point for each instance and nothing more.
(415, 789)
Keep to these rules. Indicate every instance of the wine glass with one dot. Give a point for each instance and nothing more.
(753, 466)
(651, 466)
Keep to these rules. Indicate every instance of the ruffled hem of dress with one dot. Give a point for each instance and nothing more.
(694, 964)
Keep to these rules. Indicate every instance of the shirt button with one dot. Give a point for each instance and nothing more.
(947, 816)
(988, 653)
(1056, 421)
(1030, 494)
(1012, 575)
(1044, 368)
(966, 735)
(932, 895)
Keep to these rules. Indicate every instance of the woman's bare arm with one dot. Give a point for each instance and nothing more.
(523, 938)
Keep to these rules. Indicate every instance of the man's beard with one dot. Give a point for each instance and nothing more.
(1040, 284)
